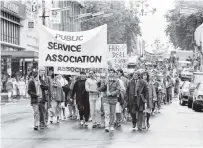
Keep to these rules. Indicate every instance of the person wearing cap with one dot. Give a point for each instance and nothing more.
(137, 94)
(82, 99)
(111, 88)
(94, 99)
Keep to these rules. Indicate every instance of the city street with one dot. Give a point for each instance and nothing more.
(176, 126)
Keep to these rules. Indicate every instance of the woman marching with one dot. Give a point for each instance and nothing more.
(152, 96)
(58, 96)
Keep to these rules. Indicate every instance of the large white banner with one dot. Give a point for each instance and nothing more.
(117, 55)
(87, 49)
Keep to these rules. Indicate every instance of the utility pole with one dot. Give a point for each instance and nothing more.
(43, 13)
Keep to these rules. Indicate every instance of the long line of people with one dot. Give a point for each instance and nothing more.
(105, 101)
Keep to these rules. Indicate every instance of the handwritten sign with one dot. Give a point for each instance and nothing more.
(117, 55)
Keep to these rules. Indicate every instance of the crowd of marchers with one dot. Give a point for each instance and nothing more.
(100, 101)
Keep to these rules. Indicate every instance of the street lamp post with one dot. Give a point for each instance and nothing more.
(144, 6)
(157, 42)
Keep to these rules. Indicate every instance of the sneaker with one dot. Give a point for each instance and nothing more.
(98, 125)
(42, 126)
(57, 120)
(51, 120)
(148, 125)
(86, 124)
(70, 116)
(106, 129)
(111, 128)
(94, 125)
(134, 126)
(144, 127)
(118, 125)
(139, 129)
(81, 123)
(36, 128)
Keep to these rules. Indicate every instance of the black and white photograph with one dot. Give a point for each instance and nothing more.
(101, 74)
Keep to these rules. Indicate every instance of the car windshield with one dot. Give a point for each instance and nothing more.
(198, 78)
(131, 66)
(188, 70)
(200, 87)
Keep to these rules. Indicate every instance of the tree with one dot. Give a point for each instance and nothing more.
(180, 28)
(122, 25)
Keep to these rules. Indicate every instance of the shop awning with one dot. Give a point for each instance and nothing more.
(20, 54)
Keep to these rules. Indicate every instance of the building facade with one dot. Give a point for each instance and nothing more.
(13, 49)
(69, 18)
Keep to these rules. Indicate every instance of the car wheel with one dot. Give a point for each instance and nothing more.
(195, 107)
(189, 104)
(182, 102)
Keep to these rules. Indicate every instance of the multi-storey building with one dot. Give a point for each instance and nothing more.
(69, 18)
(14, 50)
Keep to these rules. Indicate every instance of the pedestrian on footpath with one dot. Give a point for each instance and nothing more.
(22, 88)
(168, 85)
(15, 87)
(34, 92)
(91, 86)
(82, 99)
(110, 89)
(9, 88)
(137, 95)
(177, 86)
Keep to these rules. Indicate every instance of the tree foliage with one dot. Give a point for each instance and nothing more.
(181, 28)
(123, 25)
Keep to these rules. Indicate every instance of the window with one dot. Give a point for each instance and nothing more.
(5, 28)
(2, 30)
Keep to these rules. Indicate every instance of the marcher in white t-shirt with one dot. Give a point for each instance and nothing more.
(94, 99)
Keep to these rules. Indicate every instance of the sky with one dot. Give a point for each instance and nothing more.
(153, 26)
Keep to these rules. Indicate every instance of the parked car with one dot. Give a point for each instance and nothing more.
(184, 93)
(197, 103)
(186, 74)
(197, 77)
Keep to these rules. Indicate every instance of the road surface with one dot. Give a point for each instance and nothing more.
(175, 127)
